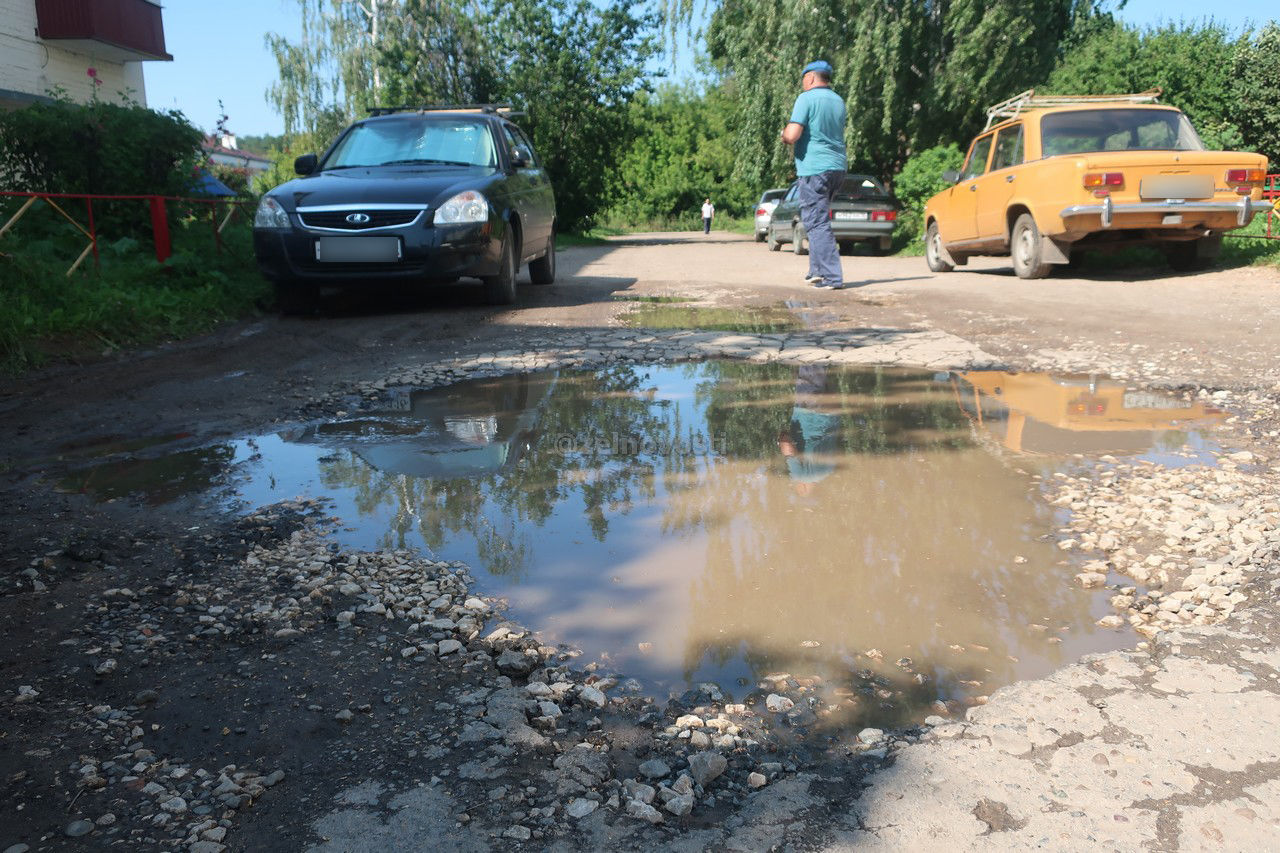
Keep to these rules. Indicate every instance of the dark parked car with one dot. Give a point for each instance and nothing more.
(411, 195)
(861, 211)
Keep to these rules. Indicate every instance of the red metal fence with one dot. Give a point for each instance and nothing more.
(158, 210)
(1271, 192)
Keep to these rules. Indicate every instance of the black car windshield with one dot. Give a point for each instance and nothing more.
(861, 188)
(413, 140)
(1086, 131)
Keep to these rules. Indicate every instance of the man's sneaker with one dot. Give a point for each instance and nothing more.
(812, 279)
(820, 283)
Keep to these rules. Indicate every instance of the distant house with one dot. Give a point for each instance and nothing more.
(222, 151)
(50, 44)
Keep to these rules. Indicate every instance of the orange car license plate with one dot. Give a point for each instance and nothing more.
(1176, 186)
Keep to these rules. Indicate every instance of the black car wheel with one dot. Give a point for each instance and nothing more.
(295, 297)
(500, 289)
(771, 240)
(800, 241)
(759, 236)
(1186, 256)
(543, 270)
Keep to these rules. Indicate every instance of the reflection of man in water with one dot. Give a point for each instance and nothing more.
(811, 442)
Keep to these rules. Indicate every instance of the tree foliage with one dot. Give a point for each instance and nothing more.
(914, 73)
(1191, 63)
(571, 65)
(1256, 86)
(684, 153)
(920, 179)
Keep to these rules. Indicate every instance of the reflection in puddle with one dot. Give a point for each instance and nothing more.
(160, 480)
(1042, 413)
(726, 521)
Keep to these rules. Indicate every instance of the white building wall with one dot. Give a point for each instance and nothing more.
(33, 67)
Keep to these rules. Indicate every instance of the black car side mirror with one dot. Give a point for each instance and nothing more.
(951, 176)
(305, 165)
(520, 157)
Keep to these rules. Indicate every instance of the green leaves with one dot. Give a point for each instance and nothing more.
(914, 74)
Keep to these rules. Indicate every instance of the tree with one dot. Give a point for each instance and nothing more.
(573, 67)
(682, 154)
(1191, 63)
(436, 51)
(1256, 87)
(915, 73)
(332, 74)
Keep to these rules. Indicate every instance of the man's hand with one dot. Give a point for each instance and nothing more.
(791, 133)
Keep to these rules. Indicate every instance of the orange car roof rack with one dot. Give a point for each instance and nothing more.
(1029, 100)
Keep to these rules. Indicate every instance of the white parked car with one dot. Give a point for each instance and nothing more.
(764, 210)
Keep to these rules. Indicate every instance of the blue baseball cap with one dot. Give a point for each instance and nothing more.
(818, 65)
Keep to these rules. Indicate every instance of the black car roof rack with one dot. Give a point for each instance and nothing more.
(492, 109)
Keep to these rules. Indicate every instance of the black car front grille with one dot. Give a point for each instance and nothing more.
(341, 219)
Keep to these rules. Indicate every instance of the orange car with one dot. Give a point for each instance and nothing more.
(1052, 176)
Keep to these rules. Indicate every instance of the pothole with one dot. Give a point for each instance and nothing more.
(874, 537)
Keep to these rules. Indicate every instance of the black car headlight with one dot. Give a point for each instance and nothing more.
(270, 214)
(465, 207)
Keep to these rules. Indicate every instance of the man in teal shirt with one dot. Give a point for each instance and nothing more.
(816, 130)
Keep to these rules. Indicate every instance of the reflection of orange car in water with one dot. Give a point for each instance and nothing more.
(1044, 413)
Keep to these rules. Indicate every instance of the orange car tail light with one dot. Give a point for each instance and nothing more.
(884, 215)
(1094, 180)
(1245, 176)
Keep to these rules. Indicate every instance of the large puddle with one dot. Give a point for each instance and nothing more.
(878, 531)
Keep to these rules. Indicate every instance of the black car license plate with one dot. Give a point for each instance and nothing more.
(358, 250)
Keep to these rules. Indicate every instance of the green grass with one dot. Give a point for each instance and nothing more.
(129, 299)
(568, 241)
(757, 320)
(627, 297)
(1247, 247)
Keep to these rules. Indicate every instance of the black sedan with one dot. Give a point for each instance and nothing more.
(412, 196)
(862, 210)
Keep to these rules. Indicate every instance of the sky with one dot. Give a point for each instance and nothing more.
(219, 51)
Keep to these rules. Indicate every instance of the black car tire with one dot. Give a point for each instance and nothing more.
(543, 270)
(771, 240)
(933, 250)
(800, 241)
(1025, 248)
(846, 247)
(1185, 255)
(295, 297)
(500, 289)
(759, 236)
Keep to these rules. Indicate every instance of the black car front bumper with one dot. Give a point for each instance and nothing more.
(426, 254)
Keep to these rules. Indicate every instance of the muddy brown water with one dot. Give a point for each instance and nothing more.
(877, 533)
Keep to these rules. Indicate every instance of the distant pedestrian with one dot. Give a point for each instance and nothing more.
(816, 129)
(708, 211)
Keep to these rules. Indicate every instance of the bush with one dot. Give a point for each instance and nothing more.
(100, 148)
(920, 179)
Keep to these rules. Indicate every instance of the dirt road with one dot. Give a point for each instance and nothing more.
(129, 690)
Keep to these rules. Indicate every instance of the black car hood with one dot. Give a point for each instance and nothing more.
(381, 185)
